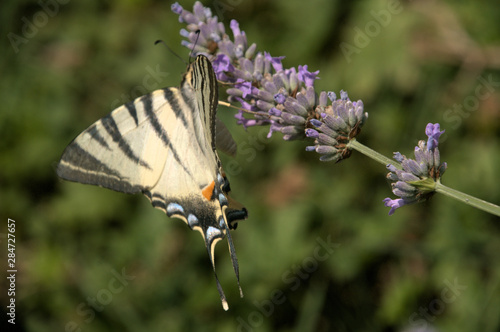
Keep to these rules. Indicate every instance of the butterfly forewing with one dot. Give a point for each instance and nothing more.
(121, 151)
(163, 145)
(202, 80)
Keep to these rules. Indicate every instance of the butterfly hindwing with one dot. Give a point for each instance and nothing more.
(163, 145)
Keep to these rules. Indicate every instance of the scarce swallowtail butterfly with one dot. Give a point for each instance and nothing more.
(163, 145)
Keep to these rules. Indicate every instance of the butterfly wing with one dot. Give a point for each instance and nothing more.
(125, 151)
(163, 145)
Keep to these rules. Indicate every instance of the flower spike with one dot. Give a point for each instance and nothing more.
(283, 98)
(416, 182)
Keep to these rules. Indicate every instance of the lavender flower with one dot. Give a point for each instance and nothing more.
(285, 99)
(340, 122)
(417, 181)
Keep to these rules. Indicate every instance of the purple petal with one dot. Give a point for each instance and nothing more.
(222, 63)
(343, 95)
(433, 132)
(316, 123)
(279, 98)
(391, 168)
(306, 76)
(245, 87)
(393, 204)
(274, 112)
(311, 133)
(234, 25)
(275, 127)
(275, 61)
(332, 96)
(398, 157)
(176, 8)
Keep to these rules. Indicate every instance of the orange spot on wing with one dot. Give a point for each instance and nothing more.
(208, 190)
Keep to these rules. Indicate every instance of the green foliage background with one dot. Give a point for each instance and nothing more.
(385, 273)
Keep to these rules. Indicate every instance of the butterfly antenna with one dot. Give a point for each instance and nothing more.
(171, 51)
(197, 32)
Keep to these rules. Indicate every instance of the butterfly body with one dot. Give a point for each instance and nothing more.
(163, 145)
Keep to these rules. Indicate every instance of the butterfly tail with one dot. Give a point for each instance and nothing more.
(234, 259)
(219, 287)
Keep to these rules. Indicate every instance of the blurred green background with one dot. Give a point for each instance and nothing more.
(435, 265)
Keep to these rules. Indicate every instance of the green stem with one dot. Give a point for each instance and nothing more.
(440, 188)
(355, 145)
(468, 199)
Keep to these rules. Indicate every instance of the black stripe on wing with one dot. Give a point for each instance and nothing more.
(111, 127)
(132, 111)
(81, 166)
(172, 100)
(147, 103)
(96, 135)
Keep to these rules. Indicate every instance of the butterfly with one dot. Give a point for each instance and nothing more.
(163, 145)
